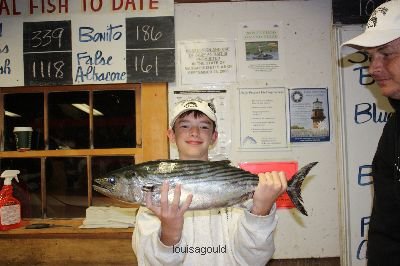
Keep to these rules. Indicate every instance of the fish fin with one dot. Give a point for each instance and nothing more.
(294, 187)
(221, 162)
(246, 203)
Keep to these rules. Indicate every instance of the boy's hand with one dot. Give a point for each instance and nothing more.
(170, 215)
(270, 186)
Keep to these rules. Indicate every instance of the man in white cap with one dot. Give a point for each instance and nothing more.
(172, 235)
(381, 41)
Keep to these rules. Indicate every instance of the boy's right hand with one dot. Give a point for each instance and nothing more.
(170, 215)
(270, 186)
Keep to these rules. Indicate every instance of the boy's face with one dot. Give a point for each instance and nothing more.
(193, 136)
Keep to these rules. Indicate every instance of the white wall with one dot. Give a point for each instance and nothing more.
(307, 47)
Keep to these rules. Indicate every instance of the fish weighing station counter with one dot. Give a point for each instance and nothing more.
(64, 243)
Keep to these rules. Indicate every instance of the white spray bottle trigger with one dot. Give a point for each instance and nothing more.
(9, 175)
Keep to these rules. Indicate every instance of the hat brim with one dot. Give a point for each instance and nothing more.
(211, 117)
(373, 38)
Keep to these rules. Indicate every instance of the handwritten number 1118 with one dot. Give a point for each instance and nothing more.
(47, 70)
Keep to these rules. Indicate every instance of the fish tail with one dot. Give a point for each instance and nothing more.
(294, 187)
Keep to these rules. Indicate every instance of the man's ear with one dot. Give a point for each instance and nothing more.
(171, 135)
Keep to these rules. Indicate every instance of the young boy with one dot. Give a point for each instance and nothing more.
(170, 235)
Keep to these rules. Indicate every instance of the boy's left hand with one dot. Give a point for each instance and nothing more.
(270, 186)
(171, 215)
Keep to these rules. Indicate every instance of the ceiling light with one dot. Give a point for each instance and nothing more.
(85, 108)
(11, 114)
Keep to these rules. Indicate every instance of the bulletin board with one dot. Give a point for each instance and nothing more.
(299, 41)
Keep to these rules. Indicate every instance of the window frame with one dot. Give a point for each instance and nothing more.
(151, 125)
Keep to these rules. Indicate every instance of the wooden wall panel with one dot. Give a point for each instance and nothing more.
(154, 121)
(67, 252)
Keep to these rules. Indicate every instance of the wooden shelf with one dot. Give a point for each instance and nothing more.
(70, 229)
(64, 153)
(67, 245)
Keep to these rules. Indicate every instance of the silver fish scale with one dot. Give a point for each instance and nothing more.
(212, 184)
(191, 170)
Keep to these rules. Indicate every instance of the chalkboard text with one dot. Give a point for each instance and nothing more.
(147, 33)
(150, 49)
(47, 69)
(47, 52)
(43, 38)
(47, 36)
(87, 34)
(368, 6)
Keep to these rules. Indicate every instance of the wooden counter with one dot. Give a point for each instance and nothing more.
(66, 245)
(100, 246)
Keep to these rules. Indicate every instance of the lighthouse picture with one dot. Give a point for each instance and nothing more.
(317, 113)
(309, 115)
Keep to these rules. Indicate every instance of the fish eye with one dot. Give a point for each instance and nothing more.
(111, 180)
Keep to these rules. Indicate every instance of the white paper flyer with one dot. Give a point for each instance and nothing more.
(203, 62)
(263, 113)
(259, 51)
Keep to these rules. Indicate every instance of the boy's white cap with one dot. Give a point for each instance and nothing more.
(382, 27)
(206, 107)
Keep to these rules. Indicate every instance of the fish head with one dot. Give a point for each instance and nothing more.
(124, 184)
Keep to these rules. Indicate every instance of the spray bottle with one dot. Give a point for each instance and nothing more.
(10, 207)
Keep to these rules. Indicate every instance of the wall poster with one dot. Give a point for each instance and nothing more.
(207, 62)
(259, 51)
(309, 115)
(263, 116)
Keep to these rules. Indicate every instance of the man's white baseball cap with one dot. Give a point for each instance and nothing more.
(383, 26)
(206, 107)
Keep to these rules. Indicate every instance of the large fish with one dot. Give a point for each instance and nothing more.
(213, 184)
